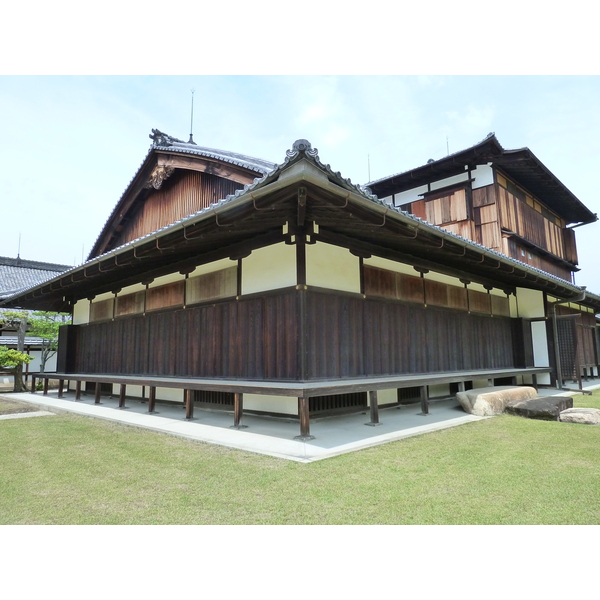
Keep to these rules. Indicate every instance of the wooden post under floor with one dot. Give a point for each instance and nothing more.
(45, 386)
(189, 404)
(97, 393)
(152, 399)
(122, 395)
(374, 409)
(534, 381)
(303, 413)
(33, 384)
(461, 386)
(61, 384)
(424, 400)
(77, 390)
(238, 411)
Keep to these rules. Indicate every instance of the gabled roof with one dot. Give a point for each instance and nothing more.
(301, 189)
(230, 165)
(18, 274)
(521, 165)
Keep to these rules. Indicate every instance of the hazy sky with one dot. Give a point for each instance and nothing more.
(72, 144)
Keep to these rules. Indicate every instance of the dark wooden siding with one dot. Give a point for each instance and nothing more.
(344, 335)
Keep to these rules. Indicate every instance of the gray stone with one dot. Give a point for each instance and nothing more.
(585, 416)
(489, 401)
(545, 409)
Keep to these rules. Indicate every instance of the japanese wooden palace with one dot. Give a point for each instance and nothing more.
(227, 282)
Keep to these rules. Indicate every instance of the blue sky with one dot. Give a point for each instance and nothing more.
(73, 143)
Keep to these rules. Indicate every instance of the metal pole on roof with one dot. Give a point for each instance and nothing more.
(191, 140)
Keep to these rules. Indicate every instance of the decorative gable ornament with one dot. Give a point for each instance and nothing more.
(159, 175)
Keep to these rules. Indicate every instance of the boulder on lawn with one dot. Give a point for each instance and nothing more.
(545, 409)
(585, 416)
(489, 401)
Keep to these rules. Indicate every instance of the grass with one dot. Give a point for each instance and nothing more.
(69, 469)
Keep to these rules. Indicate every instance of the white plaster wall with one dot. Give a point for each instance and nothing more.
(269, 268)
(273, 404)
(540, 344)
(172, 394)
(218, 265)
(439, 390)
(170, 278)
(385, 397)
(483, 175)
(105, 296)
(410, 195)
(390, 265)
(530, 303)
(332, 267)
(34, 365)
(132, 289)
(436, 185)
(81, 312)
(512, 300)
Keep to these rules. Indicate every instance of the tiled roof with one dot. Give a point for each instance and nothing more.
(17, 274)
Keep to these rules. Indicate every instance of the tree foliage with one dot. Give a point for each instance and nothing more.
(45, 325)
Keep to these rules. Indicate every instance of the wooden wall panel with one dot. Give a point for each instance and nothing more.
(165, 296)
(211, 286)
(484, 196)
(401, 338)
(479, 302)
(255, 338)
(183, 194)
(130, 304)
(102, 310)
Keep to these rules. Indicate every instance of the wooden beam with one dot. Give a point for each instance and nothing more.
(122, 389)
(189, 405)
(238, 409)
(373, 408)
(424, 400)
(303, 413)
(152, 399)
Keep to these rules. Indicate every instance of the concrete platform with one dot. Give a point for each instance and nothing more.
(270, 436)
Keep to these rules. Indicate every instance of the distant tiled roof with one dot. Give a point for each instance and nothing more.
(11, 340)
(18, 274)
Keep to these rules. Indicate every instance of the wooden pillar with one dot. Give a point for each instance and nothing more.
(424, 400)
(33, 384)
(97, 393)
(374, 409)
(122, 390)
(534, 381)
(152, 399)
(61, 383)
(77, 390)
(461, 386)
(303, 413)
(189, 405)
(45, 386)
(238, 410)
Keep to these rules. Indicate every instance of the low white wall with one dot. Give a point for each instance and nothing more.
(272, 404)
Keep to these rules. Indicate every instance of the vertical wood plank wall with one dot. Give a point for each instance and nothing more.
(343, 335)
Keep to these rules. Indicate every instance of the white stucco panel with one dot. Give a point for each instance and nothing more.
(332, 267)
(81, 312)
(483, 175)
(530, 303)
(269, 268)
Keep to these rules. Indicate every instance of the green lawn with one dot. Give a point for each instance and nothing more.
(69, 469)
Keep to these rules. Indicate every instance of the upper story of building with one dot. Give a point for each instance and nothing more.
(506, 200)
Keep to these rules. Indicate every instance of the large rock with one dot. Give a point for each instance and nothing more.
(545, 409)
(489, 401)
(585, 416)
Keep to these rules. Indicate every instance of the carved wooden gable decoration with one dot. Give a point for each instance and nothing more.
(176, 180)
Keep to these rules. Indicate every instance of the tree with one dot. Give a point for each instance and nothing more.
(45, 325)
(18, 321)
(40, 324)
(12, 360)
